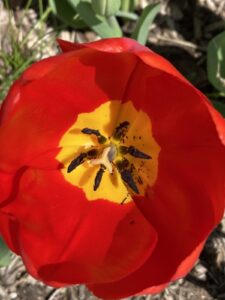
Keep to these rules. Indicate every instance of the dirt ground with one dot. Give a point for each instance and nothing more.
(180, 33)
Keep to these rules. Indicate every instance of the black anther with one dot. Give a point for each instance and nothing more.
(128, 179)
(123, 150)
(76, 162)
(120, 130)
(134, 152)
(92, 153)
(98, 177)
(101, 138)
(137, 153)
(122, 164)
(91, 131)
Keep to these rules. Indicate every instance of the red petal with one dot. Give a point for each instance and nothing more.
(6, 183)
(187, 201)
(9, 231)
(36, 71)
(65, 239)
(112, 45)
(187, 264)
(40, 109)
(67, 46)
(154, 275)
(126, 45)
(189, 131)
(191, 179)
(9, 186)
(218, 120)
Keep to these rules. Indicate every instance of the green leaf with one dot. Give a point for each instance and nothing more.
(77, 13)
(128, 5)
(146, 19)
(216, 62)
(105, 27)
(67, 13)
(106, 7)
(127, 15)
(5, 254)
(219, 106)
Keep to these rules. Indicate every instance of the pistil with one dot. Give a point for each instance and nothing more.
(108, 155)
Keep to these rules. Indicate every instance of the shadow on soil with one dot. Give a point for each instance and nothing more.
(210, 259)
(195, 26)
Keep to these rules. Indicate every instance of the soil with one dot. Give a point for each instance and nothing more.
(180, 33)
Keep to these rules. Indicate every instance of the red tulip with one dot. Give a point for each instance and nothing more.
(111, 169)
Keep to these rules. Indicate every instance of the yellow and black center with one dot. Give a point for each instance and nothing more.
(110, 153)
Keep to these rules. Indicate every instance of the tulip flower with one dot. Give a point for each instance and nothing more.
(111, 169)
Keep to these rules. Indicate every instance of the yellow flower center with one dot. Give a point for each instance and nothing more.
(110, 153)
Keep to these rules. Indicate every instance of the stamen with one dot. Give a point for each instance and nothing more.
(121, 130)
(92, 153)
(104, 160)
(134, 152)
(98, 177)
(128, 179)
(126, 174)
(122, 164)
(123, 150)
(76, 162)
(101, 138)
(81, 158)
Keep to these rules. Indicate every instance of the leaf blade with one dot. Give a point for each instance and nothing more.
(219, 106)
(216, 62)
(5, 254)
(146, 19)
(66, 13)
(105, 27)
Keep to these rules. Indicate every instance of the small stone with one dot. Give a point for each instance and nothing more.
(13, 295)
